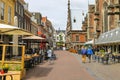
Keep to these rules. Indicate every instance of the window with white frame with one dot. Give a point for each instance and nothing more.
(2, 8)
(9, 14)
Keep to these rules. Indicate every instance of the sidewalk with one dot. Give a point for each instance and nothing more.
(101, 71)
(66, 67)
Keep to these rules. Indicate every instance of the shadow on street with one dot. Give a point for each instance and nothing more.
(37, 72)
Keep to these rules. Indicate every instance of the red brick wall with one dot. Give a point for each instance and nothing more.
(82, 37)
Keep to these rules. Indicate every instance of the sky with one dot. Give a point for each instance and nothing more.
(56, 10)
(76, 19)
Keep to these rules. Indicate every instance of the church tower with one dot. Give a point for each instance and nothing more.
(68, 18)
(75, 38)
(68, 28)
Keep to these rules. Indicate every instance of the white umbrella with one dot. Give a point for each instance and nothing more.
(33, 38)
(4, 27)
(17, 32)
(12, 30)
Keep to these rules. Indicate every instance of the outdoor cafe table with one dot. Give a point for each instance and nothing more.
(9, 74)
(31, 61)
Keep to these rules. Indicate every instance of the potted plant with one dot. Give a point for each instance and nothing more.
(5, 68)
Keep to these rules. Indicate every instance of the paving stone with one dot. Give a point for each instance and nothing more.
(101, 71)
(66, 67)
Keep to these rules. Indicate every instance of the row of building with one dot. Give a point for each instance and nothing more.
(100, 25)
(16, 13)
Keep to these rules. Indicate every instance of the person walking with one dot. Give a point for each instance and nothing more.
(89, 53)
(109, 56)
(49, 54)
(83, 53)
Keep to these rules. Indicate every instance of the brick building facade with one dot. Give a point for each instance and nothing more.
(74, 38)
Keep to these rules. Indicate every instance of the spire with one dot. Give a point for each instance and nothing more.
(68, 4)
(69, 17)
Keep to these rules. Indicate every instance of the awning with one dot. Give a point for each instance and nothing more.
(109, 37)
(17, 32)
(33, 38)
(12, 30)
(89, 42)
(4, 27)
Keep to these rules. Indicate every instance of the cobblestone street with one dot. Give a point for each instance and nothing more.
(68, 66)
(102, 71)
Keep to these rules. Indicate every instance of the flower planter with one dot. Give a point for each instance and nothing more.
(15, 77)
(5, 70)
